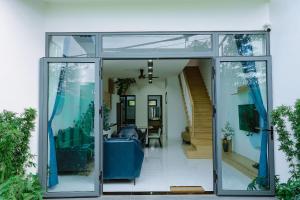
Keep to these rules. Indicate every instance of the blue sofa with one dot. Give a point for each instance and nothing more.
(122, 158)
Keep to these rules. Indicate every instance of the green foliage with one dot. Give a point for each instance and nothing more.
(123, 84)
(106, 124)
(256, 184)
(289, 190)
(227, 131)
(15, 133)
(86, 120)
(21, 187)
(286, 121)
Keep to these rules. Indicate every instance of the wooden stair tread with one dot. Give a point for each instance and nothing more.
(201, 130)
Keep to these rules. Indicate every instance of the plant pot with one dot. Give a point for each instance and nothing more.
(225, 144)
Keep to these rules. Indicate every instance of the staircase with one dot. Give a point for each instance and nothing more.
(201, 122)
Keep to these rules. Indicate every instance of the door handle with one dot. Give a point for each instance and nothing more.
(271, 130)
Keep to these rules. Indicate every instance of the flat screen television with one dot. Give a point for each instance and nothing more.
(248, 118)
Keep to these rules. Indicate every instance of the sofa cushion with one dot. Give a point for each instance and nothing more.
(128, 132)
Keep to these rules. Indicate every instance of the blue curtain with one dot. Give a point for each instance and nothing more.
(57, 109)
(53, 176)
(245, 48)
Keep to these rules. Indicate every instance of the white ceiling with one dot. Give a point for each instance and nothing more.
(131, 68)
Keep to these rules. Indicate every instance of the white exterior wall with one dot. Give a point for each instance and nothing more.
(21, 46)
(285, 43)
(23, 24)
(156, 15)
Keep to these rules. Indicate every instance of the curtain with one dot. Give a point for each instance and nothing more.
(57, 109)
(245, 48)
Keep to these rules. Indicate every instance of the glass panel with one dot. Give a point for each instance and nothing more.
(128, 109)
(71, 152)
(161, 43)
(229, 44)
(72, 46)
(242, 122)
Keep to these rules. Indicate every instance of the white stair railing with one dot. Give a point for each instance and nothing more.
(187, 98)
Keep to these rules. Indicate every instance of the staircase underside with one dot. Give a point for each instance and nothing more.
(201, 130)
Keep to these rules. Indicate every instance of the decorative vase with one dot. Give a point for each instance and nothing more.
(225, 144)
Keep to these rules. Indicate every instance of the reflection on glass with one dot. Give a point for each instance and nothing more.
(228, 45)
(162, 43)
(72, 46)
(71, 127)
(242, 120)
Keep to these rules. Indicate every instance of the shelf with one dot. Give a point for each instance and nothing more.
(241, 89)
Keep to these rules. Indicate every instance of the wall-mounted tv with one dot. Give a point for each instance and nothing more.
(248, 118)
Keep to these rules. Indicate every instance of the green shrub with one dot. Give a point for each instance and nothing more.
(15, 156)
(21, 187)
(289, 138)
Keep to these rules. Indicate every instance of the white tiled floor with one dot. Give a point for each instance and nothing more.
(168, 166)
(165, 167)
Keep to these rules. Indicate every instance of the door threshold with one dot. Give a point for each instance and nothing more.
(156, 193)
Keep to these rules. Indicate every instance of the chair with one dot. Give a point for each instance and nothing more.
(155, 136)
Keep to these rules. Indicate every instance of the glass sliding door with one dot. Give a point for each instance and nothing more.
(243, 136)
(72, 130)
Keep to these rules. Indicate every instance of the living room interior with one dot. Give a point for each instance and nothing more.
(154, 110)
(171, 101)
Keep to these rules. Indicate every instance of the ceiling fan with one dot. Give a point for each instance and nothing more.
(143, 76)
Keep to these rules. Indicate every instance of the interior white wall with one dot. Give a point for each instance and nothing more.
(176, 113)
(285, 42)
(156, 15)
(141, 89)
(21, 46)
(174, 116)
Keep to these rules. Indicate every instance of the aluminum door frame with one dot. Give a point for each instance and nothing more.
(217, 136)
(43, 127)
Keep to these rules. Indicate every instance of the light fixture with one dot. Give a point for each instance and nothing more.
(150, 63)
(150, 70)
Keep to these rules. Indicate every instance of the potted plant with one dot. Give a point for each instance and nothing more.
(106, 124)
(123, 84)
(228, 132)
